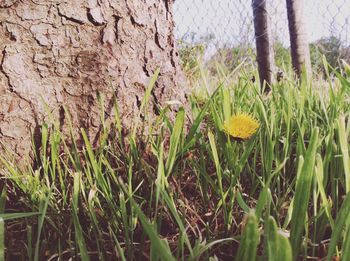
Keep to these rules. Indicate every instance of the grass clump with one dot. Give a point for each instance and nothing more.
(203, 196)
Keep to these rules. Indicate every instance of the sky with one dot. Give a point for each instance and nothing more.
(230, 21)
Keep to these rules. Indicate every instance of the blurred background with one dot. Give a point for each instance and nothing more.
(225, 29)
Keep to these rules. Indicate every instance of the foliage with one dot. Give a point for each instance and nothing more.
(282, 55)
(231, 57)
(330, 47)
(190, 57)
(197, 195)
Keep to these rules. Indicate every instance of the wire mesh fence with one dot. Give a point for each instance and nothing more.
(228, 24)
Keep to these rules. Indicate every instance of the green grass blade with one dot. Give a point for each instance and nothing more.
(216, 159)
(218, 171)
(118, 122)
(95, 224)
(44, 139)
(285, 249)
(242, 203)
(250, 239)
(10, 216)
(345, 151)
(319, 177)
(346, 246)
(226, 98)
(161, 247)
(2, 239)
(342, 217)
(302, 195)
(263, 200)
(119, 249)
(197, 122)
(208, 246)
(175, 140)
(272, 239)
(244, 157)
(171, 205)
(30, 242)
(43, 208)
(278, 246)
(3, 198)
(161, 177)
(78, 230)
(90, 152)
(144, 101)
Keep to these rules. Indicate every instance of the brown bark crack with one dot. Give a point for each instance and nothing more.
(7, 3)
(3, 71)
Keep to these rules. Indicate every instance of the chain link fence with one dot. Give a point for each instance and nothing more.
(228, 25)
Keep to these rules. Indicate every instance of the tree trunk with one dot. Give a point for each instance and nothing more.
(264, 47)
(298, 37)
(63, 53)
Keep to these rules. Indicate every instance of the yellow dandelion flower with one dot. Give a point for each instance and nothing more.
(241, 126)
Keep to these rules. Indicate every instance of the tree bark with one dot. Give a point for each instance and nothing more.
(264, 47)
(298, 37)
(63, 53)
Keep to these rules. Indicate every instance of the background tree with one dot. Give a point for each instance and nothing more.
(63, 53)
(264, 50)
(298, 37)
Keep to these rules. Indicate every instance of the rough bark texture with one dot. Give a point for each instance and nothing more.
(298, 37)
(63, 52)
(264, 47)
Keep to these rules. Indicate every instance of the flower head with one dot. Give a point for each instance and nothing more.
(241, 126)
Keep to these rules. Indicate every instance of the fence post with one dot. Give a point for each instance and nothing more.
(298, 37)
(264, 49)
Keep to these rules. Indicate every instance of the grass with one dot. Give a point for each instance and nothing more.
(189, 191)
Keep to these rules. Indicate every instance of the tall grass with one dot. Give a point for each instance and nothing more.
(281, 195)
